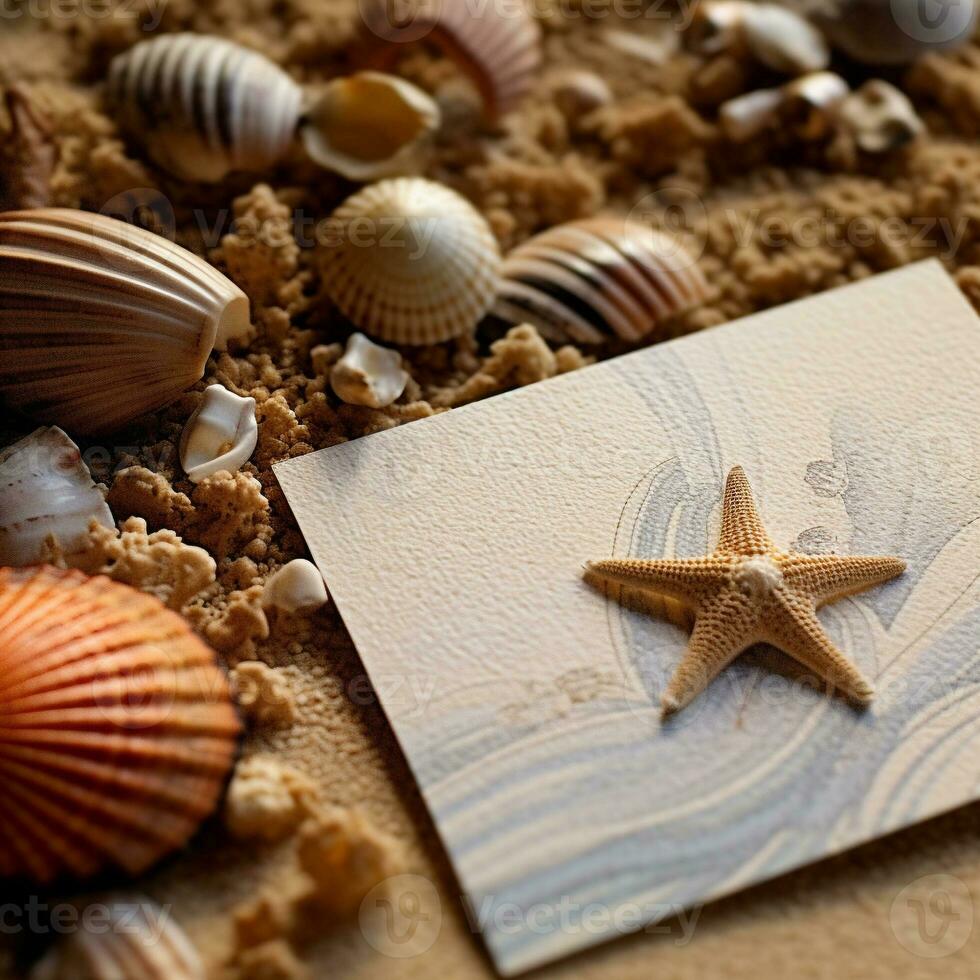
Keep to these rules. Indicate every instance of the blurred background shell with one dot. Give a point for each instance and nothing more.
(496, 45)
(203, 106)
(136, 939)
(410, 261)
(46, 489)
(117, 730)
(101, 321)
(598, 278)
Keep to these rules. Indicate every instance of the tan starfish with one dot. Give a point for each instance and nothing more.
(750, 592)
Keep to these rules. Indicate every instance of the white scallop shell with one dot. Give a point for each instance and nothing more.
(410, 261)
(296, 587)
(587, 280)
(368, 374)
(45, 489)
(204, 106)
(220, 435)
(101, 321)
(123, 939)
(370, 125)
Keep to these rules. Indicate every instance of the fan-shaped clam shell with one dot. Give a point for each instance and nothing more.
(117, 729)
(135, 939)
(220, 435)
(588, 279)
(45, 489)
(370, 125)
(101, 321)
(204, 106)
(497, 45)
(410, 261)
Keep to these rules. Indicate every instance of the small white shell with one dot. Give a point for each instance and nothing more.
(747, 115)
(784, 40)
(368, 374)
(813, 102)
(296, 587)
(880, 117)
(45, 488)
(101, 321)
(204, 106)
(370, 125)
(578, 92)
(220, 435)
(588, 280)
(410, 261)
(125, 939)
(716, 25)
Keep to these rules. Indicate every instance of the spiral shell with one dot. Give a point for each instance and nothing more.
(101, 321)
(410, 261)
(204, 106)
(117, 729)
(46, 489)
(497, 45)
(588, 279)
(136, 939)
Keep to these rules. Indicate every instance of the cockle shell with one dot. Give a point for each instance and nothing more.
(204, 106)
(46, 489)
(368, 374)
(588, 279)
(117, 729)
(410, 261)
(101, 322)
(497, 45)
(296, 587)
(370, 125)
(220, 435)
(133, 939)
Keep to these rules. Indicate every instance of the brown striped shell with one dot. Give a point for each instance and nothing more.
(410, 261)
(101, 321)
(600, 277)
(117, 730)
(497, 45)
(204, 106)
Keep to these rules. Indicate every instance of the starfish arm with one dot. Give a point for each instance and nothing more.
(795, 629)
(721, 632)
(687, 579)
(742, 530)
(830, 577)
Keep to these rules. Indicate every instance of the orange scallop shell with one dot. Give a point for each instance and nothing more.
(117, 729)
(589, 280)
(497, 45)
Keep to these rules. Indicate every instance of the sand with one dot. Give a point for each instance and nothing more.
(773, 220)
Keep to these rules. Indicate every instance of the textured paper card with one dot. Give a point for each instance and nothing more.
(526, 701)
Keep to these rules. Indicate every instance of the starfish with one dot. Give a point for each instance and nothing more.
(747, 592)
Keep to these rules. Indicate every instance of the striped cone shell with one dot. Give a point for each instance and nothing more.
(117, 729)
(601, 277)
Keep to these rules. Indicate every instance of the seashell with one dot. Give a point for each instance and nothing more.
(880, 117)
(655, 49)
(370, 125)
(204, 106)
(588, 279)
(745, 116)
(135, 939)
(368, 374)
(410, 261)
(716, 26)
(497, 45)
(296, 587)
(46, 489)
(577, 92)
(896, 32)
(220, 435)
(117, 729)
(101, 322)
(812, 102)
(783, 40)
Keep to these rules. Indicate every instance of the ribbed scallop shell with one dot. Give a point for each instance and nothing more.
(497, 45)
(204, 106)
(587, 280)
(136, 939)
(410, 261)
(101, 321)
(117, 729)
